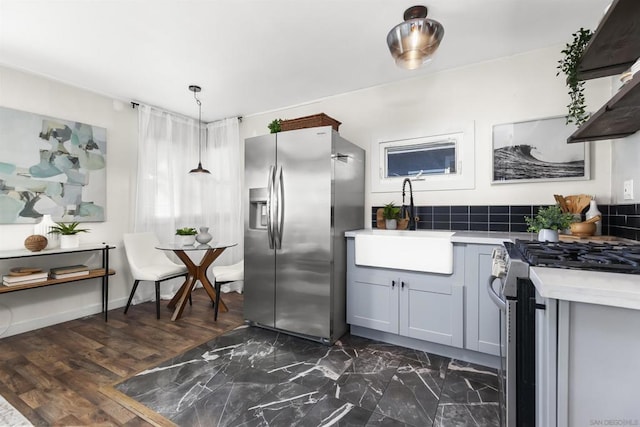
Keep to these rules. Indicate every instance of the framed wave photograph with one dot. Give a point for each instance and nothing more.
(537, 150)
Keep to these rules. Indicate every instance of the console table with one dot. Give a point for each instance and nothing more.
(102, 273)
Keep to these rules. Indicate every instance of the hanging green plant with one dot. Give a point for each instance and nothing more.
(568, 65)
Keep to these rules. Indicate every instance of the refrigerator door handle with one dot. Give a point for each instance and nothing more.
(280, 208)
(270, 201)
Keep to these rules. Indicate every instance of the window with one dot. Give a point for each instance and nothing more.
(420, 159)
(432, 162)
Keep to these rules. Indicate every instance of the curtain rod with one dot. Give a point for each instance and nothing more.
(137, 104)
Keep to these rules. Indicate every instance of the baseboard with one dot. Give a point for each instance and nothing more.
(59, 317)
(430, 347)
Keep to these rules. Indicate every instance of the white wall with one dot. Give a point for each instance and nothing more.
(518, 88)
(511, 89)
(625, 165)
(26, 310)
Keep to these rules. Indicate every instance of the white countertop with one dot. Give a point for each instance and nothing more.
(594, 287)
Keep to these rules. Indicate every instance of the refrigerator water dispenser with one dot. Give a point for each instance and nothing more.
(258, 208)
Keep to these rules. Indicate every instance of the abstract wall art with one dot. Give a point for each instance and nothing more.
(537, 150)
(50, 166)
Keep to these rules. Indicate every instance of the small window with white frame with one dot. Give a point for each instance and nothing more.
(433, 162)
(402, 159)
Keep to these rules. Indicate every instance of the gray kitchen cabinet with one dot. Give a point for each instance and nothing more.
(372, 297)
(597, 365)
(423, 306)
(482, 315)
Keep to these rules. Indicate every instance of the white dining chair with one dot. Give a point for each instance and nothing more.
(149, 264)
(226, 274)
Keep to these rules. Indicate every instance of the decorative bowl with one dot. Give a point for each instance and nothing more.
(583, 229)
(35, 242)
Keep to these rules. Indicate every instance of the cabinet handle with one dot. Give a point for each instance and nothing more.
(393, 284)
(402, 283)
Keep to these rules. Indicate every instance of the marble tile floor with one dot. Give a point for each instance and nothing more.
(256, 377)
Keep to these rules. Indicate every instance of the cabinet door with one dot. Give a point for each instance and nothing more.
(372, 299)
(482, 315)
(432, 305)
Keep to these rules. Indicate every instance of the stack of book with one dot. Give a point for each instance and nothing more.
(24, 279)
(69, 271)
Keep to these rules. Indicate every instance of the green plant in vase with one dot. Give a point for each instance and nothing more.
(391, 214)
(68, 234)
(548, 221)
(186, 236)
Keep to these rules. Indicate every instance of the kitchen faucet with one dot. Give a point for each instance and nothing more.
(412, 220)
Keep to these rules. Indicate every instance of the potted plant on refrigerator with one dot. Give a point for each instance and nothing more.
(547, 222)
(186, 236)
(68, 234)
(275, 126)
(391, 213)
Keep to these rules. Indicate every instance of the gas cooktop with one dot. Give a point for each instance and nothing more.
(608, 257)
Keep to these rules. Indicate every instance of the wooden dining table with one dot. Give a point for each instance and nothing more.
(196, 272)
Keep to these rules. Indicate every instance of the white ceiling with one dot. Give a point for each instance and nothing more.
(260, 55)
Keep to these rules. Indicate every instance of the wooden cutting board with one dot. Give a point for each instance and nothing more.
(570, 237)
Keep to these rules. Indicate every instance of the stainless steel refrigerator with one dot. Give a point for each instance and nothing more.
(303, 189)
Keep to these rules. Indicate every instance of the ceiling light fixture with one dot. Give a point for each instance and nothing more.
(195, 89)
(413, 42)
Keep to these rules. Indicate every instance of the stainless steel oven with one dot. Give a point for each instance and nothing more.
(512, 291)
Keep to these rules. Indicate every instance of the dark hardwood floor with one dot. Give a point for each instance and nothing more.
(54, 375)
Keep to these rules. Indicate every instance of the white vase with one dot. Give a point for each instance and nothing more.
(204, 236)
(43, 228)
(69, 241)
(390, 224)
(547, 235)
(594, 211)
(185, 240)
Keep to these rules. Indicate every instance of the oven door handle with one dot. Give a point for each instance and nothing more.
(495, 297)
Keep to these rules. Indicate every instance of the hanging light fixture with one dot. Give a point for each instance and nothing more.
(413, 42)
(195, 89)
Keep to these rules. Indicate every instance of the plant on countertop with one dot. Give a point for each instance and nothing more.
(186, 231)
(67, 229)
(550, 218)
(275, 126)
(569, 66)
(391, 211)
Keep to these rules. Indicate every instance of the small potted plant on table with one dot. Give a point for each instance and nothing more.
(68, 234)
(547, 222)
(186, 236)
(391, 213)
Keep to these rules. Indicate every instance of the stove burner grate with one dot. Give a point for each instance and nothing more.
(609, 257)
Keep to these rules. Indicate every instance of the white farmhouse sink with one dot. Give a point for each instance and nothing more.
(428, 251)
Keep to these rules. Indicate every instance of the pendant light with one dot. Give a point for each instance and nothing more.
(413, 42)
(195, 89)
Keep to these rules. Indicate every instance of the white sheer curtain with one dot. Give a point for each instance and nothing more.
(168, 197)
(222, 199)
